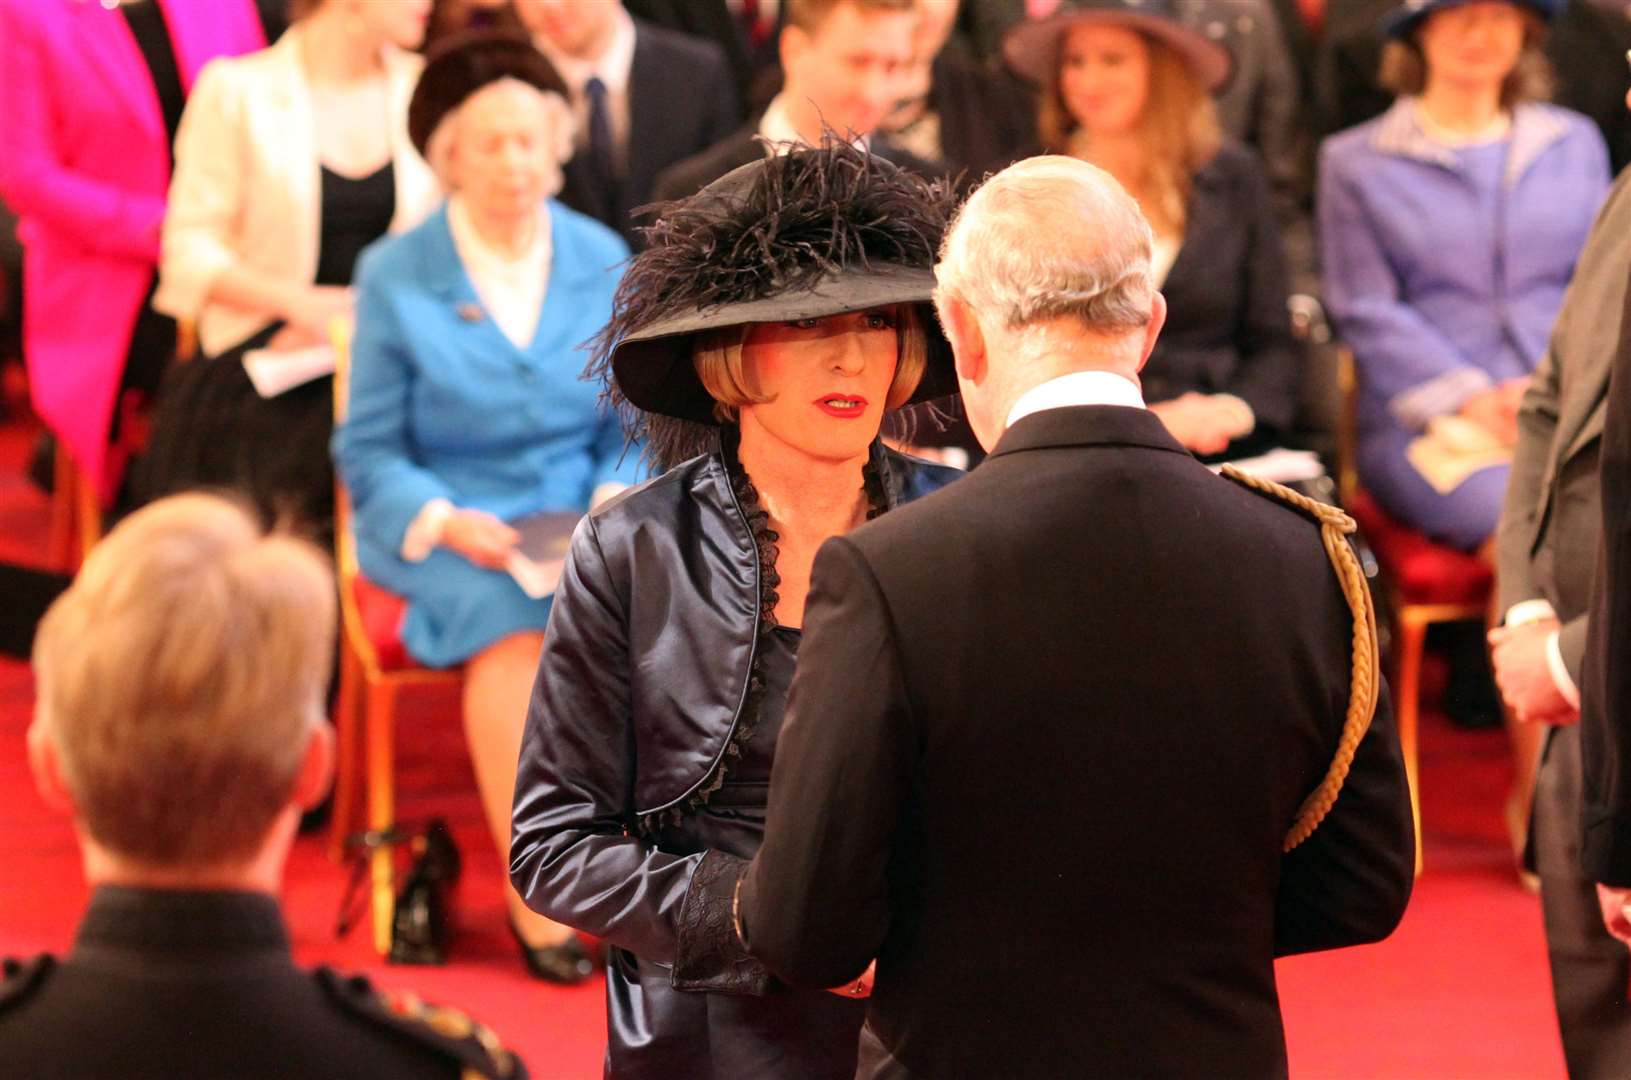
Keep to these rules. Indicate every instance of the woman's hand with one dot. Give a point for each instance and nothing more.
(312, 309)
(479, 537)
(860, 988)
(1201, 422)
(1496, 410)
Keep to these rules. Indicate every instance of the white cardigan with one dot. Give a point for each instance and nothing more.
(247, 189)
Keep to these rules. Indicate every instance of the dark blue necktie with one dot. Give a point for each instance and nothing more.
(601, 154)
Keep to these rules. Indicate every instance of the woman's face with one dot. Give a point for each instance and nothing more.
(401, 22)
(507, 149)
(827, 380)
(1473, 45)
(1104, 77)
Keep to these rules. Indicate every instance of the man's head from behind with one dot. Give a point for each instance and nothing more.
(1045, 271)
(845, 61)
(180, 690)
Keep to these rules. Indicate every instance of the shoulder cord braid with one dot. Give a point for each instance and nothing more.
(764, 542)
(1335, 526)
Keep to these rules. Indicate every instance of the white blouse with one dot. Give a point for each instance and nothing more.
(511, 287)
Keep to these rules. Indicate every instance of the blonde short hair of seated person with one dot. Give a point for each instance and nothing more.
(180, 679)
(1047, 238)
(718, 361)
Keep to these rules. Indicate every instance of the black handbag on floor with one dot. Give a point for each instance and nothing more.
(422, 916)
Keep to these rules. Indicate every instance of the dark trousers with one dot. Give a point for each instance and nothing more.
(1590, 969)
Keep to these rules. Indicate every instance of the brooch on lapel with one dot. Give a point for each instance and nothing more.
(470, 312)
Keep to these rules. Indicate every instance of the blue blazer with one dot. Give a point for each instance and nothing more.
(443, 405)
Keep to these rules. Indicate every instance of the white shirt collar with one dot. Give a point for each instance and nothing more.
(1078, 388)
(611, 66)
(511, 289)
(776, 127)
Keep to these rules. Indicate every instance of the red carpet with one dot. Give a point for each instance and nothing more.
(1460, 991)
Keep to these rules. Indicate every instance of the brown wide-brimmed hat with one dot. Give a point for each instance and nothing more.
(467, 62)
(1031, 48)
(802, 235)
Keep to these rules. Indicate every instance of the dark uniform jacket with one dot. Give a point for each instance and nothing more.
(621, 825)
(177, 984)
(1048, 732)
(681, 102)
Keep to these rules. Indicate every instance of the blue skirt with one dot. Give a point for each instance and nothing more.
(455, 608)
(1464, 518)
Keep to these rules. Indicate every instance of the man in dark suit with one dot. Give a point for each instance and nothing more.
(1605, 721)
(645, 98)
(1051, 726)
(843, 61)
(1547, 544)
(180, 722)
(745, 29)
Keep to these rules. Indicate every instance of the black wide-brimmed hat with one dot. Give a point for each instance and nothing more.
(467, 62)
(806, 234)
(1403, 21)
(1031, 48)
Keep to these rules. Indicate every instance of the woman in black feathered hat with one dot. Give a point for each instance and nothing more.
(756, 346)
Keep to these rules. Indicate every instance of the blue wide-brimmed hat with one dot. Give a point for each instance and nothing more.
(1402, 21)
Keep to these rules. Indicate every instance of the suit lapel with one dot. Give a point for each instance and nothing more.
(648, 121)
(103, 38)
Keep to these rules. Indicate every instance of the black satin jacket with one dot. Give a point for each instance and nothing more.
(625, 824)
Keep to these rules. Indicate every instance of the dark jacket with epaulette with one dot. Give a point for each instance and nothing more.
(169, 984)
(1070, 705)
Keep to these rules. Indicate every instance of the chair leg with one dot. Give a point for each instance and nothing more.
(348, 729)
(64, 502)
(381, 805)
(88, 515)
(1407, 708)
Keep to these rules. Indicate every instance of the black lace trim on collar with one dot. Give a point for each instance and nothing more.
(757, 518)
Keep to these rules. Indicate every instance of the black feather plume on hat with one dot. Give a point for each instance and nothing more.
(774, 227)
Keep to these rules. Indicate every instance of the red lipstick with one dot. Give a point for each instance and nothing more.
(843, 406)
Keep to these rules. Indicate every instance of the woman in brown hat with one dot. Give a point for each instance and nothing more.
(1128, 88)
(757, 345)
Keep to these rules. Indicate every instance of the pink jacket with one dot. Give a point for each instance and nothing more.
(85, 163)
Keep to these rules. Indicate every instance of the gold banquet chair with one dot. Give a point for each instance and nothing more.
(1431, 583)
(374, 669)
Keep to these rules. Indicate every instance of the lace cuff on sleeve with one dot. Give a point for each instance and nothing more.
(709, 955)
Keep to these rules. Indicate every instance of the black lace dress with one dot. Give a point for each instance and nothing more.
(213, 431)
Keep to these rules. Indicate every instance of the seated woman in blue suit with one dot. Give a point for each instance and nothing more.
(466, 406)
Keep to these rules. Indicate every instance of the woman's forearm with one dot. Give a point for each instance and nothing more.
(249, 289)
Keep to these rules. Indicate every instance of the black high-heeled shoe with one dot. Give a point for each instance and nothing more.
(566, 964)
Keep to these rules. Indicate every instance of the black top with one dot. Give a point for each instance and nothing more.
(1068, 707)
(152, 36)
(355, 214)
(1228, 330)
(172, 983)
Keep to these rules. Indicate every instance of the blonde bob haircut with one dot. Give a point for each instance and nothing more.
(180, 679)
(717, 357)
(1178, 130)
(1404, 66)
